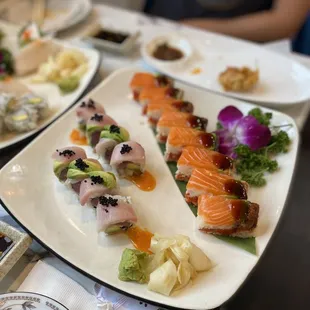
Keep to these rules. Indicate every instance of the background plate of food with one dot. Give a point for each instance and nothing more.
(103, 195)
(40, 78)
(228, 66)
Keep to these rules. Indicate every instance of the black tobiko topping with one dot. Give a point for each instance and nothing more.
(115, 129)
(105, 201)
(96, 180)
(66, 153)
(125, 149)
(80, 164)
(97, 117)
(90, 104)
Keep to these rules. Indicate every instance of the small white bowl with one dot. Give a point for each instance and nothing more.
(21, 243)
(122, 48)
(173, 40)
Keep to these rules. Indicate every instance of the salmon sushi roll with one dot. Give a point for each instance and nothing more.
(196, 157)
(157, 93)
(157, 107)
(179, 138)
(204, 181)
(143, 80)
(222, 215)
(178, 119)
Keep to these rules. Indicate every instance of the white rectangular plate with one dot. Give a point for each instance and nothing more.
(32, 194)
(58, 102)
(283, 81)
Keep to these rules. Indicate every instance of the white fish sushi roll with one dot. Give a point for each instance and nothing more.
(63, 157)
(8, 104)
(128, 159)
(79, 170)
(35, 102)
(22, 120)
(97, 184)
(114, 214)
(95, 125)
(86, 110)
(110, 136)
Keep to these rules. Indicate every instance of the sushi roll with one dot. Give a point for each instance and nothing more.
(79, 170)
(143, 80)
(86, 110)
(95, 125)
(197, 157)
(179, 138)
(222, 215)
(97, 184)
(128, 159)
(8, 104)
(156, 108)
(154, 93)
(35, 102)
(203, 181)
(29, 58)
(178, 119)
(22, 120)
(62, 158)
(110, 136)
(114, 214)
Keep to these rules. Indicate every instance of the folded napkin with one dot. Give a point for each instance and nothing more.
(111, 300)
(47, 280)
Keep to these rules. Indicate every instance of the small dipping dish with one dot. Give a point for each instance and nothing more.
(112, 40)
(170, 49)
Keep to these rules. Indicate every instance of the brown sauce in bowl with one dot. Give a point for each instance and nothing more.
(115, 37)
(167, 53)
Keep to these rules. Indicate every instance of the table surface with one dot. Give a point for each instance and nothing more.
(281, 280)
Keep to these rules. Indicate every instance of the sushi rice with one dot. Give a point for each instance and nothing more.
(22, 120)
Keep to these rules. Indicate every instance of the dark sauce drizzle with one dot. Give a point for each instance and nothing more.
(235, 188)
(197, 122)
(207, 139)
(222, 162)
(239, 209)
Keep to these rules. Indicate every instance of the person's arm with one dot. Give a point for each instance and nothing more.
(282, 21)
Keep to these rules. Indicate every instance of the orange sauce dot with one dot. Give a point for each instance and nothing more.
(77, 138)
(140, 238)
(146, 182)
(196, 71)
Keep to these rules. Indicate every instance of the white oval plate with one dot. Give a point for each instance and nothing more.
(49, 211)
(28, 301)
(58, 103)
(283, 81)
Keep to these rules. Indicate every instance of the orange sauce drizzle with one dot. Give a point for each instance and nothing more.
(140, 238)
(146, 182)
(77, 138)
(196, 71)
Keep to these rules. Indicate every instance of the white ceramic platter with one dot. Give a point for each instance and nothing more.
(25, 301)
(58, 102)
(283, 81)
(31, 193)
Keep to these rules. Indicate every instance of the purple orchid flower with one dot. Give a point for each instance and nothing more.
(239, 129)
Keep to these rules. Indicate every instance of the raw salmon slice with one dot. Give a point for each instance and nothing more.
(197, 157)
(178, 119)
(179, 138)
(204, 181)
(227, 216)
